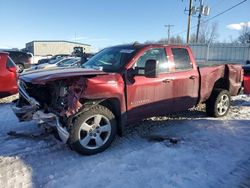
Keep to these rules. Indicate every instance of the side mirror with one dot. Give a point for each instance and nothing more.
(151, 68)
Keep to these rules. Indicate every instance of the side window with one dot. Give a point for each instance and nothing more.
(181, 59)
(13, 56)
(157, 54)
(22, 56)
(10, 63)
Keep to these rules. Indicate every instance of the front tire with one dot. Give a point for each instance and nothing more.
(218, 103)
(93, 131)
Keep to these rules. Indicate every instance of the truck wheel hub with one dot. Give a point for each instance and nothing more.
(223, 104)
(94, 131)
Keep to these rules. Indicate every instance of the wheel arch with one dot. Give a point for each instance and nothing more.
(113, 104)
(20, 63)
(221, 83)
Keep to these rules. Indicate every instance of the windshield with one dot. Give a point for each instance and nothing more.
(111, 59)
(68, 62)
(53, 61)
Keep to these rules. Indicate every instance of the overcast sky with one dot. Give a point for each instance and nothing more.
(102, 23)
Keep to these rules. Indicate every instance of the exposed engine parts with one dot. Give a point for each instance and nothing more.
(61, 97)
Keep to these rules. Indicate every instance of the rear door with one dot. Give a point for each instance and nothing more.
(148, 97)
(186, 78)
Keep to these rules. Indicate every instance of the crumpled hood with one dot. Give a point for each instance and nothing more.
(43, 76)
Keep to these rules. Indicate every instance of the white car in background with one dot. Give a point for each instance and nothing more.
(72, 62)
(60, 62)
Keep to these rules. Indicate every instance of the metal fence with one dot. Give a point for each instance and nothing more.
(238, 53)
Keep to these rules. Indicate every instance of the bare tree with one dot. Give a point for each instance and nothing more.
(244, 35)
(149, 42)
(192, 39)
(173, 40)
(176, 40)
(208, 33)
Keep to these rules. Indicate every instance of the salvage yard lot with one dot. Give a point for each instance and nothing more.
(211, 153)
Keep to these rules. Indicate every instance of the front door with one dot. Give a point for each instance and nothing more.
(147, 97)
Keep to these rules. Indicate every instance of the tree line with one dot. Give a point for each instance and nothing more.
(208, 34)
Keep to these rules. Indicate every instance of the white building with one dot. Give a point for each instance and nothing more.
(54, 47)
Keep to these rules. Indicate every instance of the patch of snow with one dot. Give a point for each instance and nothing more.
(211, 153)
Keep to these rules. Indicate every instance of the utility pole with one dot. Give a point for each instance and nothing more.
(199, 20)
(169, 29)
(189, 19)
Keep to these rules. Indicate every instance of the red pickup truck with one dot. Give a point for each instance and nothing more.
(88, 106)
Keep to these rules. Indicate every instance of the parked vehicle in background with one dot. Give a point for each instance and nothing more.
(57, 63)
(37, 58)
(55, 57)
(8, 76)
(246, 78)
(22, 60)
(60, 62)
(71, 62)
(123, 84)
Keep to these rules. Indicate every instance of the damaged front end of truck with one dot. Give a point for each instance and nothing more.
(52, 102)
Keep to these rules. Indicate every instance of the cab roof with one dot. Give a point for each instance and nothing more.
(139, 46)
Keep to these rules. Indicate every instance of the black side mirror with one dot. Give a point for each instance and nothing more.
(151, 68)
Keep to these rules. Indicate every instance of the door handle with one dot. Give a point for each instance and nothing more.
(167, 80)
(192, 77)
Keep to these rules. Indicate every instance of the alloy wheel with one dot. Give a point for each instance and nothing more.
(223, 104)
(94, 131)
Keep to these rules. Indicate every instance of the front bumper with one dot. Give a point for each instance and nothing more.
(32, 112)
(53, 121)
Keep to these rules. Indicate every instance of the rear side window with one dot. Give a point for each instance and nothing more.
(10, 63)
(181, 59)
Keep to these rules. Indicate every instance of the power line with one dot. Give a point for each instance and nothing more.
(225, 11)
(217, 15)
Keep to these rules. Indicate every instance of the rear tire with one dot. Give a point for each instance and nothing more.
(218, 103)
(20, 68)
(93, 131)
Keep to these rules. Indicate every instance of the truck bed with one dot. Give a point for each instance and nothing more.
(222, 76)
